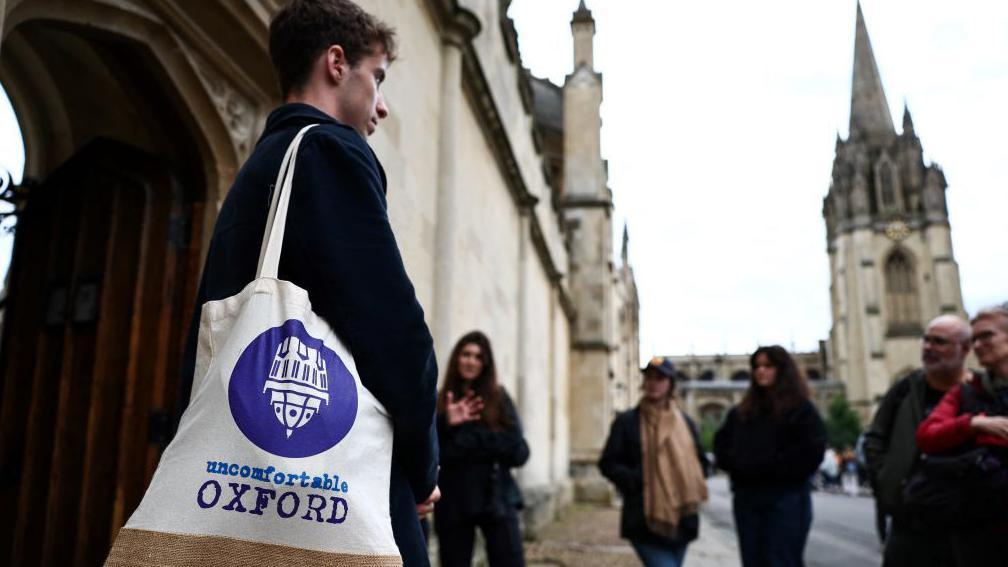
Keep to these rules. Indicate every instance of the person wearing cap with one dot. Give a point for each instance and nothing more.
(771, 444)
(653, 456)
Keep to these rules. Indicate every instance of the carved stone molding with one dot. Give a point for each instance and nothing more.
(236, 110)
(458, 25)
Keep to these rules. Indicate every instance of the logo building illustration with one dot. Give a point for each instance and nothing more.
(297, 383)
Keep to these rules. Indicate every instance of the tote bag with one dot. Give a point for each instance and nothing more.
(282, 457)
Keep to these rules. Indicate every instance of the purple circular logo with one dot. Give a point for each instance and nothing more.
(290, 394)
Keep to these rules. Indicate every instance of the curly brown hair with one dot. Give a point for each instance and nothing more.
(303, 29)
(788, 391)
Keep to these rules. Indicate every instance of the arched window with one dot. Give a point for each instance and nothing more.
(901, 295)
(886, 182)
(740, 376)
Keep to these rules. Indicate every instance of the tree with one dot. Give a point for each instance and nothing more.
(708, 427)
(843, 426)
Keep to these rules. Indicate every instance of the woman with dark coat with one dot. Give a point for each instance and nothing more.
(654, 458)
(770, 445)
(481, 441)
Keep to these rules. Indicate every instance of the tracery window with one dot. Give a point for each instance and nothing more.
(887, 189)
(901, 294)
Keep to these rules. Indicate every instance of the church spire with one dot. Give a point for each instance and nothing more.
(583, 14)
(908, 127)
(869, 110)
(583, 27)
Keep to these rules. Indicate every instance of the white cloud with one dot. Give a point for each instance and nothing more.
(719, 121)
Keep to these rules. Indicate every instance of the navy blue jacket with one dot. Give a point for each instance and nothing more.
(622, 463)
(339, 247)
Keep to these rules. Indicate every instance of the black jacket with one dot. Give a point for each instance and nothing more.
(339, 247)
(766, 452)
(621, 463)
(476, 464)
(890, 444)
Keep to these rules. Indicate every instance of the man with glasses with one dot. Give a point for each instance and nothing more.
(891, 449)
(975, 415)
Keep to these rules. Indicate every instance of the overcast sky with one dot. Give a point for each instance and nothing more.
(719, 123)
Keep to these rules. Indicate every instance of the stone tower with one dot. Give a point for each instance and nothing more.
(587, 204)
(888, 238)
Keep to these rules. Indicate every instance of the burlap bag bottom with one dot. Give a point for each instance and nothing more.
(142, 548)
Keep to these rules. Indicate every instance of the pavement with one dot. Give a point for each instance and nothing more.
(588, 536)
(843, 534)
(843, 526)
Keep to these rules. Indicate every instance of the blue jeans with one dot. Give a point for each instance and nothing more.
(654, 556)
(772, 525)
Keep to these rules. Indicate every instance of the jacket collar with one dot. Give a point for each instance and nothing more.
(298, 115)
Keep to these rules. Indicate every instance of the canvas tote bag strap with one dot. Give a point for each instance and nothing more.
(276, 221)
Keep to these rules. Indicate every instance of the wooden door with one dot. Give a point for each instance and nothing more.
(101, 289)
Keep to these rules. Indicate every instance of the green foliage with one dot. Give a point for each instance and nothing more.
(708, 427)
(842, 423)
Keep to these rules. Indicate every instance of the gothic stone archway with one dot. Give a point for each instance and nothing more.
(131, 136)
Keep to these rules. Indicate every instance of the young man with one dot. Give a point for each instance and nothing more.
(331, 58)
(890, 447)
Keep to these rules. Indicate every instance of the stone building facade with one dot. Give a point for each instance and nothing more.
(604, 336)
(136, 114)
(709, 385)
(888, 236)
(626, 383)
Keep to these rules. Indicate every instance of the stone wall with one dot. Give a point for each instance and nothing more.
(484, 236)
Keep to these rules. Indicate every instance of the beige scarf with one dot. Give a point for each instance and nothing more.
(674, 484)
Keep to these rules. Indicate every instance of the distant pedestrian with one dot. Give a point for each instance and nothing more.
(974, 416)
(771, 444)
(829, 469)
(481, 441)
(891, 450)
(653, 456)
(849, 476)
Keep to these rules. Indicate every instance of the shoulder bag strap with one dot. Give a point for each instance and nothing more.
(276, 222)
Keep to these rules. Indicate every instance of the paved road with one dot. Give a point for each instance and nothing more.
(843, 528)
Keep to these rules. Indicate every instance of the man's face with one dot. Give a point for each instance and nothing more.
(942, 349)
(361, 104)
(990, 341)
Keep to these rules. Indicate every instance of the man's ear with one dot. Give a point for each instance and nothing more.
(336, 64)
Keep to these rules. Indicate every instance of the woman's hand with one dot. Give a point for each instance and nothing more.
(467, 409)
(996, 426)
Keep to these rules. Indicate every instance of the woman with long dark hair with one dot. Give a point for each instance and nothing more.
(654, 458)
(481, 441)
(770, 445)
